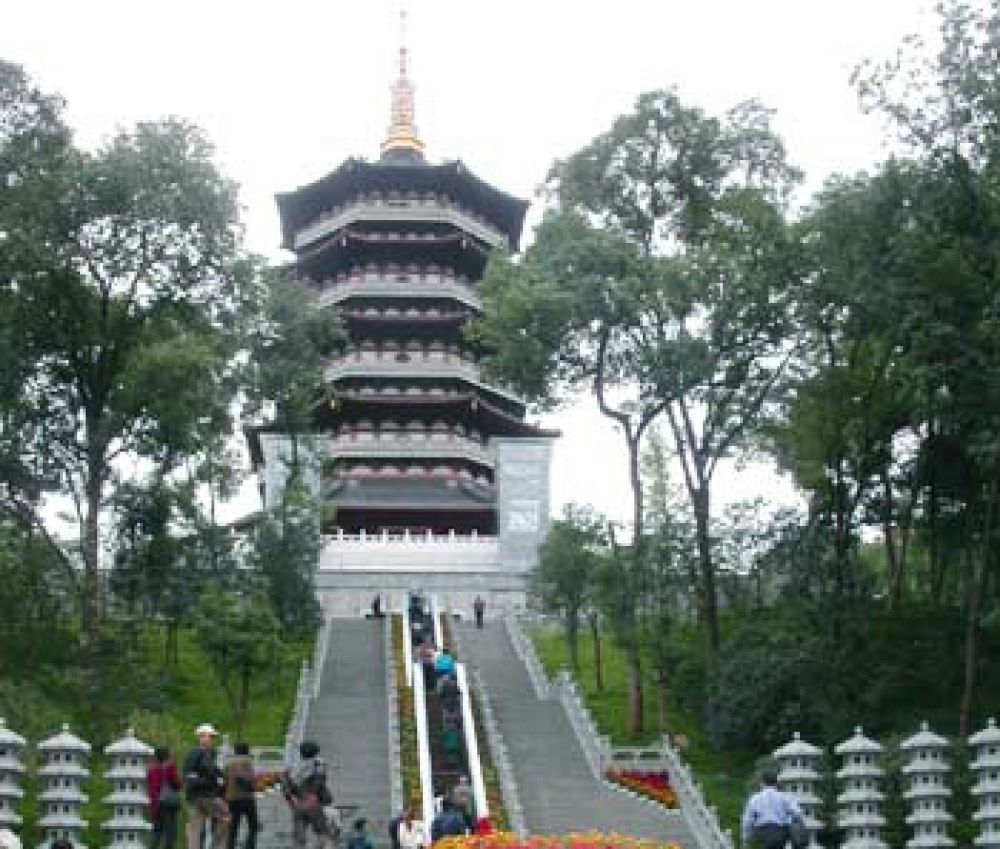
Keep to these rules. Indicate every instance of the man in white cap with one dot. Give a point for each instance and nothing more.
(203, 786)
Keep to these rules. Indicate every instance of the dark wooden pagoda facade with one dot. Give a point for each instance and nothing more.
(398, 247)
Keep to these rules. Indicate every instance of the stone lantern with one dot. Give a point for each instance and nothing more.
(11, 772)
(800, 764)
(927, 771)
(63, 774)
(860, 801)
(128, 800)
(986, 768)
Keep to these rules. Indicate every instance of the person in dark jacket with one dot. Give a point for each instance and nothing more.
(203, 785)
(448, 822)
(240, 794)
(161, 775)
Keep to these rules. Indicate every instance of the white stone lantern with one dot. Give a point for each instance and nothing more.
(986, 768)
(927, 770)
(128, 800)
(799, 765)
(11, 773)
(860, 801)
(63, 774)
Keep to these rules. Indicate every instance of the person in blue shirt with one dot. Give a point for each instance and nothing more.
(445, 663)
(768, 815)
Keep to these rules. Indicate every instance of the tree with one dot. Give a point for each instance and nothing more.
(566, 572)
(239, 634)
(664, 276)
(285, 552)
(122, 285)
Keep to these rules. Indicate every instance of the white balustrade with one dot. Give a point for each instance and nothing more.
(423, 746)
(472, 745)
(392, 719)
(702, 819)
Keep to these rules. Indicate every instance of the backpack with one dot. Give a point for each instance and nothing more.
(315, 782)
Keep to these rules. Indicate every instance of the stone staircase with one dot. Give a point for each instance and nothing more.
(557, 787)
(348, 720)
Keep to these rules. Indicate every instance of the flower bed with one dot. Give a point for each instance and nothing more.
(652, 784)
(586, 840)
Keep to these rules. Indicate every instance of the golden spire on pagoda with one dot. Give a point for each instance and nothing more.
(402, 134)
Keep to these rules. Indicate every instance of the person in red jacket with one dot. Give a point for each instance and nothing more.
(164, 787)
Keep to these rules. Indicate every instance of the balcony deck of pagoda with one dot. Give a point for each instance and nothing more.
(407, 209)
(406, 444)
(382, 282)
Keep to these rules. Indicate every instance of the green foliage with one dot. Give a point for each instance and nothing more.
(285, 553)
(565, 580)
(239, 635)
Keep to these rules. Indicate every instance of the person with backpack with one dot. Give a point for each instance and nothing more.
(240, 794)
(203, 785)
(308, 794)
(448, 822)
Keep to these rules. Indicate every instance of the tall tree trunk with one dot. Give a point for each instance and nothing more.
(709, 592)
(935, 560)
(894, 568)
(977, 574)
(595, 635)
(94, 591)
(661, 702)
(635, 590)
(573, 641)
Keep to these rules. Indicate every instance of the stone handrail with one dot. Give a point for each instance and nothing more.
(499, 755)
(300, 715)
(411, 286)
(525, 650)
(701, 818)
(596, 746)
(392, 719)
(320, 651)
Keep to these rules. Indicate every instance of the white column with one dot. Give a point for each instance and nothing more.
(436, 619)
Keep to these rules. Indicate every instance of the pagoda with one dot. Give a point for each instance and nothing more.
(436, 480)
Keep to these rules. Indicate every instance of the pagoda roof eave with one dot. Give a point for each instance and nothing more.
(355, 175)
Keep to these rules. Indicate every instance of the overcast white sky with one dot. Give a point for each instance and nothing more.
(288, 90)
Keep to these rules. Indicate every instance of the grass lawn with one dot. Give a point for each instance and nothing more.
(723, 775)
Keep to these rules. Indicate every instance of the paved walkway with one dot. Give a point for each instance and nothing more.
(558, 791)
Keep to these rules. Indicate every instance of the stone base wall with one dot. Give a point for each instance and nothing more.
(350, 593)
